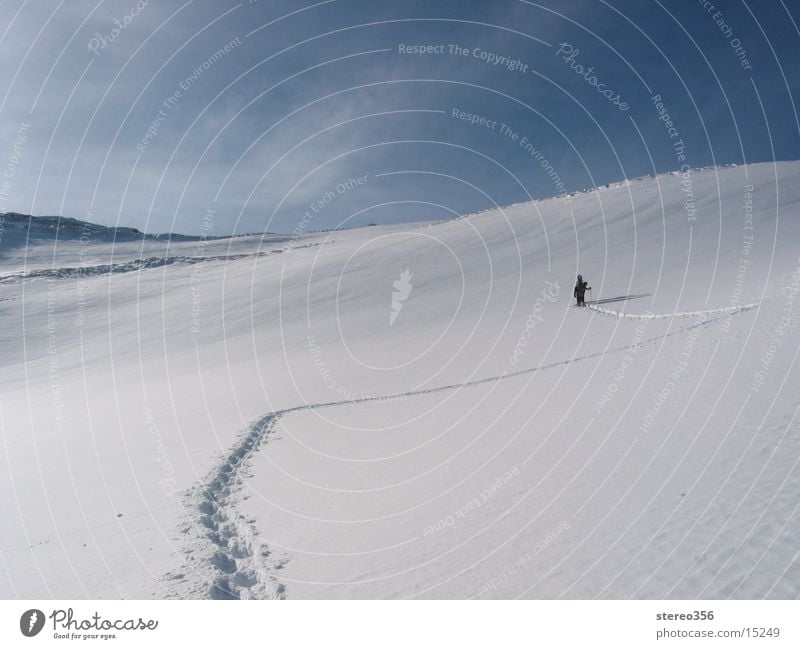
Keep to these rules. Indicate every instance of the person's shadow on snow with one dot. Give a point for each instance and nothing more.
(619, 298)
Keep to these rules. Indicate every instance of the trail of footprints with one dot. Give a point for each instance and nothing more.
(241, 566)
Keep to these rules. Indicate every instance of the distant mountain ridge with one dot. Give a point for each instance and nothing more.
(68, 228)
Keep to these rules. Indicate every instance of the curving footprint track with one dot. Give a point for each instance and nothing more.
(679, 314)
(240, 566)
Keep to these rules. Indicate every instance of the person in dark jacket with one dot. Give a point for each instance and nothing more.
(580, 290)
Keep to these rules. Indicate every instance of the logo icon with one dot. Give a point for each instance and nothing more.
(402, 289)
(31, 622)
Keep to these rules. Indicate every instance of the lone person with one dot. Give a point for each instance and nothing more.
(580, 290)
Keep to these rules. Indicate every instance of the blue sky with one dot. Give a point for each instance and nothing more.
(246, 115)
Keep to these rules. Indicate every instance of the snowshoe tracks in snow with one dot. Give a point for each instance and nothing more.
(679, 314)
(240, 564)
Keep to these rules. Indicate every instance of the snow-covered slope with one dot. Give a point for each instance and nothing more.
(417, 410)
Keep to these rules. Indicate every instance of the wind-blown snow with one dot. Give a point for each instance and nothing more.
(267, 418)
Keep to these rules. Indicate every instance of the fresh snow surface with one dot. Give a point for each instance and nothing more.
(414, 410)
